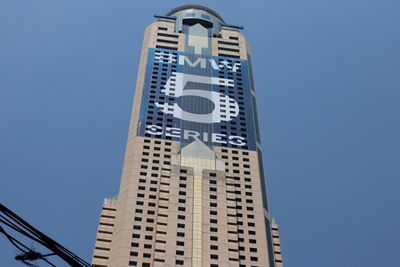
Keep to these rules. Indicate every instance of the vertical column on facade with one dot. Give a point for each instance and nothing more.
(197, 218)
(215, 222)
(198, 156)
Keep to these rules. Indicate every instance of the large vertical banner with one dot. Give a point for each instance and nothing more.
(187, 96)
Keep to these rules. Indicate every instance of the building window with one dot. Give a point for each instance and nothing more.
(253, 258)
(180, 234)
(134, 253)
(179, 262)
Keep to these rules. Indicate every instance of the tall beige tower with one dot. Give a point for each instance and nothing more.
(193, 187)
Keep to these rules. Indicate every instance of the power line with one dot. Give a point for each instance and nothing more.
(11, 220)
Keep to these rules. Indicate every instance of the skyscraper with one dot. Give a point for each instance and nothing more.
(193, 188)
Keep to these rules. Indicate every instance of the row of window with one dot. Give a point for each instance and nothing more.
(228, 49)
(232, 42)
(166, 44)
(228, 43)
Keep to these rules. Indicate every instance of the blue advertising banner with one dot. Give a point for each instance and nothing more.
(188, 96)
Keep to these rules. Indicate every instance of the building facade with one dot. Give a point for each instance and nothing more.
(193, 188)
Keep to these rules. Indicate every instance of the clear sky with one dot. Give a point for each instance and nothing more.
(327, 76)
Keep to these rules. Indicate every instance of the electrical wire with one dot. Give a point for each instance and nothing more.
(25, 250)
(13, 221)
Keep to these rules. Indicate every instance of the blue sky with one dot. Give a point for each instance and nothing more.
(327, 77)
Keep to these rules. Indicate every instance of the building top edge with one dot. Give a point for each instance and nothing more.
(206, 9)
